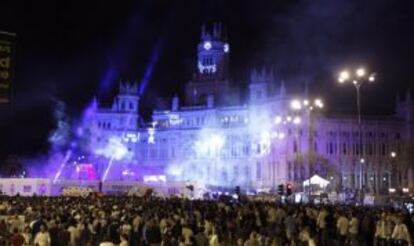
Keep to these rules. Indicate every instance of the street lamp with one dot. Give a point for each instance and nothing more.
(308, 106)
(390, 168)
(281, 125)
(393, 156)
(359, 77)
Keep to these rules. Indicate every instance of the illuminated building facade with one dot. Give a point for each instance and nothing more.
(212, 138)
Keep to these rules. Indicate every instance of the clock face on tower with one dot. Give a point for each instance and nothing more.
(207, 45)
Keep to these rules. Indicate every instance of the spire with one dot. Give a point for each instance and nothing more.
(203, 31)
(282, 88)
(94, 103)
(263, 73)
(121, 87)
(114, 105)
(215, 30)
(205, 34)
(253, 75)
(271, 75)
(175, 103)
(127, 87)
(134, 88)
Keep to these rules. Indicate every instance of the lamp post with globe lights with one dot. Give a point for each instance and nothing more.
(309, 107)
(279, 132)
(358, 77)
(393, 168)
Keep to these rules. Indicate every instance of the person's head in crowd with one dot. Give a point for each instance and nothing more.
(399, 219)
(43, 228)
(253, 235)
(240, 242)
(124, 237)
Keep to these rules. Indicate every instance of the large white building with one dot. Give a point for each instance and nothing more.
(270, 139)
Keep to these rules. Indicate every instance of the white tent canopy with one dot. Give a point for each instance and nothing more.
(316, 180)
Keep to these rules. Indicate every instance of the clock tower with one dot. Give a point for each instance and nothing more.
(211, 69)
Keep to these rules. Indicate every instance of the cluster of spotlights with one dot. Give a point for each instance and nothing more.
(306, 104)
(287, 119)
(358, 75)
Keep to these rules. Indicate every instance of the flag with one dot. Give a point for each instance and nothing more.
(6, 65)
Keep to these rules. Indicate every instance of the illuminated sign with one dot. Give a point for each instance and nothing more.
(155, 179)
(175, 119)
(207, 68)
(131, 137)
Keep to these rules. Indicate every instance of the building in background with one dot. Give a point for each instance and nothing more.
(211, 137)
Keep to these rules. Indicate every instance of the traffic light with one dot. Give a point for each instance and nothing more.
(281, 190)
(289, 189)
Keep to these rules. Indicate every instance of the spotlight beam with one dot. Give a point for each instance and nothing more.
(65, 160)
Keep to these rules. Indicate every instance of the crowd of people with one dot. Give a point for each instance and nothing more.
(124, 221)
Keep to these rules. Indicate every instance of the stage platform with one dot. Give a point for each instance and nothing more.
(46, 187)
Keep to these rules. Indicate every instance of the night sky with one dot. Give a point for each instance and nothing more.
(69, 51)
